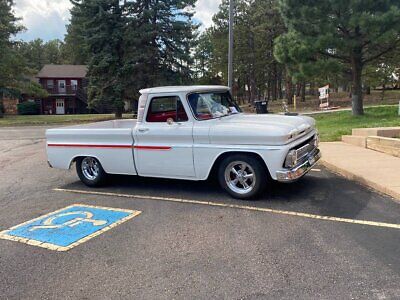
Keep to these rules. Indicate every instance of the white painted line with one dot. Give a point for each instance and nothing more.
(245, 207)
(316, 170)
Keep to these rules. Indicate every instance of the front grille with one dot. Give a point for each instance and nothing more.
(303, 151)
(298, 153)
(306, 142)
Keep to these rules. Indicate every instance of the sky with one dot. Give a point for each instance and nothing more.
(46, 19)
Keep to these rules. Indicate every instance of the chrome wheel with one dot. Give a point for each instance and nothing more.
(90, 168)
(240, 177)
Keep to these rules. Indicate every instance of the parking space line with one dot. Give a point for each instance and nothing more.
(236, 206)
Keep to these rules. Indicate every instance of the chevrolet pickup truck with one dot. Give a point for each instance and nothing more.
(190, 133)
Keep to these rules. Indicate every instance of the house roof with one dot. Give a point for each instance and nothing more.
(63, 71)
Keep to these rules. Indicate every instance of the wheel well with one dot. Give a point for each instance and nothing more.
(78, 157)
(224, 155)
(74, 160)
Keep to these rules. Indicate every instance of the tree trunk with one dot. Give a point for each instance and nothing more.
(357, 92)
(312, 89)
(118, 113)
(298, 89)
(289, 90)
(1, 108)
(269, 88)
(279, 83)
(253, 88)
(274, 82)
(303, 91)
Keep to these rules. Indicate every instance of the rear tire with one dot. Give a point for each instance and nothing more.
(90, 171)
(243, 176)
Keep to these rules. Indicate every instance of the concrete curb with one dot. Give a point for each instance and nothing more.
(360, 179)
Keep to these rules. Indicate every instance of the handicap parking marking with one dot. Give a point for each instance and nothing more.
(69, 227)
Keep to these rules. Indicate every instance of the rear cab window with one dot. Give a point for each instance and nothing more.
(163, 108)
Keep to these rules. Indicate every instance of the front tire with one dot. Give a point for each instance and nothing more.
(242, 176)
(90, 171)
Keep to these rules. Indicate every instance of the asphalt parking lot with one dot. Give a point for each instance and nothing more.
(306, 240)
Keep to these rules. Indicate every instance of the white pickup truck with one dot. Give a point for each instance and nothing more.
(189, 133)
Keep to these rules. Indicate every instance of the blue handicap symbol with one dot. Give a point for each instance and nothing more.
(69, 225)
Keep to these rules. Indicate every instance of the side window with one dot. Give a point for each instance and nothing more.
(163, 108)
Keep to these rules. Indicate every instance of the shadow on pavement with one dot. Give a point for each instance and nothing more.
(321, 193)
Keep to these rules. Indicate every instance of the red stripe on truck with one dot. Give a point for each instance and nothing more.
(152, 147)
(89, 146)
(111, 146)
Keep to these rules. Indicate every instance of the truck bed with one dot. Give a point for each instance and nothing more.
(103, 140)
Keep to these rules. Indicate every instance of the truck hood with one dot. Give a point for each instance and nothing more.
(268, 129)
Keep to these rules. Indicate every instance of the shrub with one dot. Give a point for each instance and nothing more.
(28, 108)
(1, 109)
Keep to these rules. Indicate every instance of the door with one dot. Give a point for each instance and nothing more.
(60, 106)
(164, 140)
(61, 87)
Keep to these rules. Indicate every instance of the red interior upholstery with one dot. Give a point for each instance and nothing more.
(164, 116)
(204, 116)
(161, 116)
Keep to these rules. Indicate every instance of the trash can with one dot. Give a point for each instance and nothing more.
(261, 107)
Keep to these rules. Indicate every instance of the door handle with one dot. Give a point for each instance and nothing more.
(143, 130)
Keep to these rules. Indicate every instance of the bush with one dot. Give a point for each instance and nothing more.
(1, 109)
(28, 108)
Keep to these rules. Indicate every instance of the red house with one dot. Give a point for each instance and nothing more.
(66, 85)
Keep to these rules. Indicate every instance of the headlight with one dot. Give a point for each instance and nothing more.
(316, 140)
(291, 159)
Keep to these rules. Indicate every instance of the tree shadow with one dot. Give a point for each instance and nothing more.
(326, 194)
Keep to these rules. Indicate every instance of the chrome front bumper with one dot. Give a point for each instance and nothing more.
(299, 171)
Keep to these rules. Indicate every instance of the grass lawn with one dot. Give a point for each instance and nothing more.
(54, 119)
(333, 125)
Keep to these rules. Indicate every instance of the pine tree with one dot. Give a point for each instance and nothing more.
(350, 34)
(203, 56)
(103, 30)
(11, 67)
(256, 72)
(131, 45)
(75, 49)
(37, 53)
(160, 37)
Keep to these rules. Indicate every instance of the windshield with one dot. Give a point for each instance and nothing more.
(212, 105)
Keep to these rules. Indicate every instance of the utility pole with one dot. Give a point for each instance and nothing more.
(230, 51)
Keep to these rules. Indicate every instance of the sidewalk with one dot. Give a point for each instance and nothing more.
(374, 169)
(317, 112)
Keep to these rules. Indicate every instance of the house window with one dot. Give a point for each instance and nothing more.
(50, 83)
(61, 84)
(74, 84)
